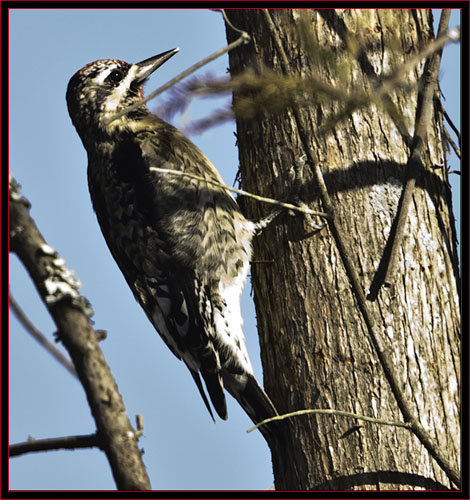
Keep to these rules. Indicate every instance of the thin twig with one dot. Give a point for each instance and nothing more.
(271, 201)
(421, 131)
(452, 143)
(449, 120)
(328, 411)
(244, 38)
(383, 354)
(292, 87)
(139, 429)
(67, 442)
(227, 20)
(40, 337)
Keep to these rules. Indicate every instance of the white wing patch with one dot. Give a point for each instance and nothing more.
(229, 325)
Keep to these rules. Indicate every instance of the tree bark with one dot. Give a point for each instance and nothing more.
(315, 348)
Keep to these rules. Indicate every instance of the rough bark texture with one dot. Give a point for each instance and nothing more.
(314, 345)
(57, 288)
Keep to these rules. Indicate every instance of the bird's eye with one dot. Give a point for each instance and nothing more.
(115, 77)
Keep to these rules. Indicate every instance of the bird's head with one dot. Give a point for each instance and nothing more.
(102, 88)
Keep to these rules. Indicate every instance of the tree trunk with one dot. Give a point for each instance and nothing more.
(315, 347)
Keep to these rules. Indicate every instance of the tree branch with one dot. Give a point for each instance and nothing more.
(40, 337)
(454, 146)
(452, 143)
(449, 120)
(67, 442)
(329, 411)
(288, 89)
(302, 209)
(58, 288)
(423, 123)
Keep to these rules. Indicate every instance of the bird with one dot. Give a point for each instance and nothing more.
(181, 241)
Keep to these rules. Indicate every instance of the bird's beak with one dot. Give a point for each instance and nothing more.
(147, 67)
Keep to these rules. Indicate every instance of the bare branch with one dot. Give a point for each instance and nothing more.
(452, 143)
(302, 209)
(67, 442)
(454, 146)
(449, 120)
(328, 411)
(69, 310)
(40, 337)
(423, 122)
(275, 92)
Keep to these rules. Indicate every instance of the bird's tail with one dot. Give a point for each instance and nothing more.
(256, 404)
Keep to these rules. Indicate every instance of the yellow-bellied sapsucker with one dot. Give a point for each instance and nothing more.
(182, 244)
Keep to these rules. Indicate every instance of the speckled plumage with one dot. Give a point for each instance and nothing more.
(183, 245)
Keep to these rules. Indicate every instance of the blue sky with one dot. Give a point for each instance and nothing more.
(184, 449)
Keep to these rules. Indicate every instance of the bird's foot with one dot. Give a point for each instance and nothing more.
(292, 198)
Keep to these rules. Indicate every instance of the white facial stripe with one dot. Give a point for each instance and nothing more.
(114, 99)
(104, 74)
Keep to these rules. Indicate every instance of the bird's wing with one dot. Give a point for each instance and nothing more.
(136, 217)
